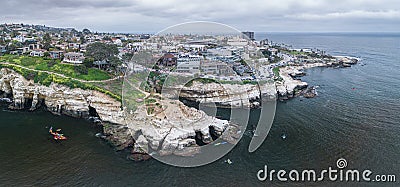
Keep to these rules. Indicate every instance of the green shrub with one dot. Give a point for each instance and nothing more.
(150, 100)
(47, 64)
(81, 70)
(276, 71)
(51, 63)
(28, 61)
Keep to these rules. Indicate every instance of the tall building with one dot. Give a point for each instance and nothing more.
(249, 34)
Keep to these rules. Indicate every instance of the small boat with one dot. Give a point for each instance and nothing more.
(152, 153)
(100, 135)
(283, 136)
(60, 137)
(254, 133)
(220, 143)
(229, 161)
(57, 135)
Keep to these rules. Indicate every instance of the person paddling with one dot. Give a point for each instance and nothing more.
(57, 135)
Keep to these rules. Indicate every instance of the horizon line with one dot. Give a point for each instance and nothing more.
(245, 30)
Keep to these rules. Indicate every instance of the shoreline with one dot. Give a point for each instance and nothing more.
(140, 145)
(286, 86)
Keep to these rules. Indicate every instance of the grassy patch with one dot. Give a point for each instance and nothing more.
(115, 85)
(94, 74)
(150, 100)
(277, 74)
(276, 71)
(26, 61)
(138, 78)
(132, 97)
(51, 65)
(46, 79)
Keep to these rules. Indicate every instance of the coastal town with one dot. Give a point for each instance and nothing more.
(139, 85)
(245, 57)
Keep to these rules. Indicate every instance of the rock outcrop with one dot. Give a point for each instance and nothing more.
(176, 129)
(289, 87)
(248, 95)
(227, 95)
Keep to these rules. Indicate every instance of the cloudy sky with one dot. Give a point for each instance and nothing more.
(254, 15)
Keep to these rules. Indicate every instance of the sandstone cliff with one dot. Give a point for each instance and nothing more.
(229, 95)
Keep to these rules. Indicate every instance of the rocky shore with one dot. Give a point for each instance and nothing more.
(172, 128)
(291, 86)
(286, 86)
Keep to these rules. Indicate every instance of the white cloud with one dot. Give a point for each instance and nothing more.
(356, 14)
(154, 15)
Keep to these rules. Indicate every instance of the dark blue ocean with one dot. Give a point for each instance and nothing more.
(355, 116)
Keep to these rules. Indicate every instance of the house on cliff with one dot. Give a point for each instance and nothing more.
(74, 58)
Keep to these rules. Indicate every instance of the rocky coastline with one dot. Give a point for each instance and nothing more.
(286, 86)
(175, 129)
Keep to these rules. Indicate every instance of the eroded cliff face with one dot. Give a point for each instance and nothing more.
(288, 87)
(229, 95)
(58, 99)
(247, 95)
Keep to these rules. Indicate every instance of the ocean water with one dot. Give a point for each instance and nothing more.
(355, 116)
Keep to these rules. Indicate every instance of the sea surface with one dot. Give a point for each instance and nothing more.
(355, 116)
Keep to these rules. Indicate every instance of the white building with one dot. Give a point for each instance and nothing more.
(117, 42)
(216, 68)
(189, 58)
(189, 63)
(74, 58)
(220, 51)
(237, 42)
(38, 53)
(19, 38)
(188, 67)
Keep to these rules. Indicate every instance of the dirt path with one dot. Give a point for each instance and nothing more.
(62, 75)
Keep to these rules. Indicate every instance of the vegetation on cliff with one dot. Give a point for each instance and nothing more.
(55, 65)
(47, 78)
